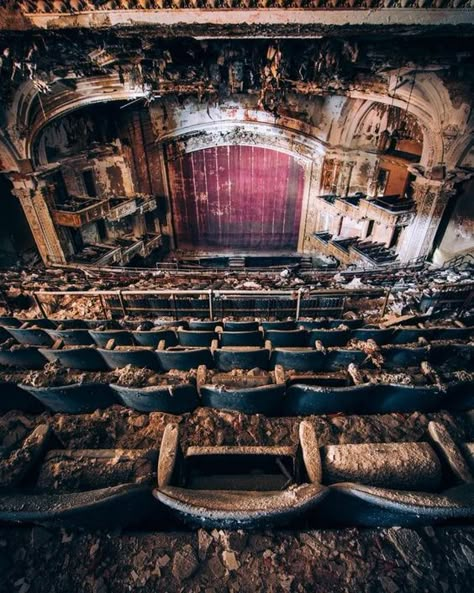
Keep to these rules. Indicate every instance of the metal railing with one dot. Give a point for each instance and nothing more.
(163, 267)
(279, 304)
(215, 303)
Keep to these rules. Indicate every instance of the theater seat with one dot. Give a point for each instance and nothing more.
(121, 337)
(226, 360)
(241, 338)
(196, 339)
(240, 326)
(287, 338)
(184, 360)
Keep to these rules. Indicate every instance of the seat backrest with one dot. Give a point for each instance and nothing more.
(30, 336)
(226, 360)
(287, 338)
(207, 326)
(184, 360)
(117, 359)
(330, 337)
(81, 359)
(240, 326)
(121, 337)
(71, 337)
(153, 337)
(281, 325)
(241, 338)
(197, 339)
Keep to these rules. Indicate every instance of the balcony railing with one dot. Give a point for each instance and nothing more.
(386, 210)
(129, 206)
(80, 211)
(152, 244)
(390, 210)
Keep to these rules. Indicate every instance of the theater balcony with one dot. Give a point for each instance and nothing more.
(78, 211)
(386, 210)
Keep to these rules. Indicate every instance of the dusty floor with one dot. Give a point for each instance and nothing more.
(119, 427)
(396, 560)
(393, 560)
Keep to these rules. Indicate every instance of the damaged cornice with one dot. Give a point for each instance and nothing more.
(222, 19)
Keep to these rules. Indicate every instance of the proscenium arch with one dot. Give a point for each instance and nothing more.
(244, 133)
(304, 143)
(308, 151)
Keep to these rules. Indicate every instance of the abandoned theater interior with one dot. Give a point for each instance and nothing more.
(236, 296)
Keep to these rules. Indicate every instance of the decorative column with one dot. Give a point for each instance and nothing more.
(166, 228)
(32, 194)
(431, 197)
(331, 171)
(345, 177)
(309, 211)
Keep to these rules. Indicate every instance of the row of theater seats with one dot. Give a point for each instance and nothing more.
(248, 334)
(189, 324)
(92, 358)
(366, 484)
(296, 397)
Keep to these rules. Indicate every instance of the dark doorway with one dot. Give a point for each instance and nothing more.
(17, 245)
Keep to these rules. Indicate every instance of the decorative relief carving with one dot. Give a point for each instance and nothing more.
(241, 135)
(77, 6)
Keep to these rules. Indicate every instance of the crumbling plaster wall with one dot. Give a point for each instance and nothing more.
(317, 128)
(458, 237)
(311, 133)
(83, 140)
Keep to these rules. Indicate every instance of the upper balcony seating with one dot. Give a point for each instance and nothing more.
(314, 381)
(308, 347)
(327, 330)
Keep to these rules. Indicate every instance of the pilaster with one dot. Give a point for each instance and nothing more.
(431, 197)
(33, 197)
